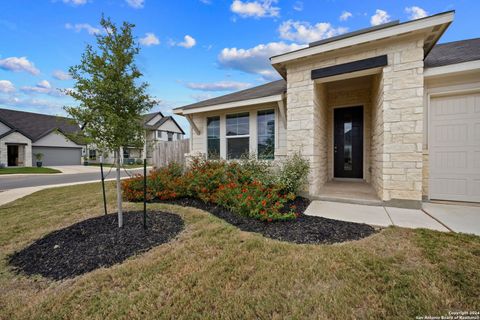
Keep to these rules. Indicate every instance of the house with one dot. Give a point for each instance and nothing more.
(24, 134)
(386, 106)
(157, 128)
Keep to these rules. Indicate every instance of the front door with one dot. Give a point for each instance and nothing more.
(12, 155)
(348, 142)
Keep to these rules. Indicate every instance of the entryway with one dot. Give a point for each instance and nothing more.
(359, 192)
(348, 142)
(12, 155)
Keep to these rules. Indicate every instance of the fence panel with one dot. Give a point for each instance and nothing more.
(166, 152)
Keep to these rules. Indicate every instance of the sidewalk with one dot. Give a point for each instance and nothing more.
(438, 217)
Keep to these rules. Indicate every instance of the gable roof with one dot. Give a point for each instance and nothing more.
(162, 121)
(35, 125)
(453, 52)
(149, 116)
(264, 90)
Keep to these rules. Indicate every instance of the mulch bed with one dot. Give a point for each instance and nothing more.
(95, 243)
(304, 229)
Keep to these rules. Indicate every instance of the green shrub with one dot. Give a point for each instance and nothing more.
(293, 174)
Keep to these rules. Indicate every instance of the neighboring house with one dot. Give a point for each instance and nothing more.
(24, 134)
(385, 105)
(157, 128)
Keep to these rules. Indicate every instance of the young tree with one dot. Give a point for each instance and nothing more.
(111, 98)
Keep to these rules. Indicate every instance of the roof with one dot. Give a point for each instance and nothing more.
(149, 116)
(162, 121)
(264, 90)
(35, 125)
(453, 52)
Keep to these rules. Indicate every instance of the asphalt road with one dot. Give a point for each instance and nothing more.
(15, 182)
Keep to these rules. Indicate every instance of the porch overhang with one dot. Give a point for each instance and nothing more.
(361, 67)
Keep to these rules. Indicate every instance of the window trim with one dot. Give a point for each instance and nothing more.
(219, 136)
(275, 131)
(227, 137)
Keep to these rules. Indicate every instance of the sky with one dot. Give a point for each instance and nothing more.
(191, 50)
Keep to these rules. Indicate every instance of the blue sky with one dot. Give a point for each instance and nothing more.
(191, 49)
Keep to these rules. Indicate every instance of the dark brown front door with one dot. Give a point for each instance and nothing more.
(12, 155)
(348, 142)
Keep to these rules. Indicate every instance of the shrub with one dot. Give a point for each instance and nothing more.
(293, 174)
(138, 161)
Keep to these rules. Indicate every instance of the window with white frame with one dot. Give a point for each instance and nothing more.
(266, 134)
(170, 136)
(213, 137)
(238, 135)
(159, 134)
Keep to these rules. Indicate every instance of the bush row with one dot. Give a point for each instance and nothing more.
(249, 187)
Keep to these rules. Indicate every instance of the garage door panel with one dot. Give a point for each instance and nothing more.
(55, 156)
(454, 144)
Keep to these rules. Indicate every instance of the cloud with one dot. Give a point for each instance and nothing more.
(78, 27)
(255, 60)
(206, 1)
(137, 4)
(150, 39)
(202, 96)
(298, 6)
(16, 64)
(6, 86)
(304, 32)
(43, 87)
(61, 75)
(256, 9)
(75, 2)
(416, 12)
(379, 17)
(187, 42)
(218, 86)
(345, 16)
(32, 104)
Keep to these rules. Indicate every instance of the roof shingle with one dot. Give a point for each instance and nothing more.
(453, 52)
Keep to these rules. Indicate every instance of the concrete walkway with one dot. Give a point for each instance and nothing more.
(440, 217)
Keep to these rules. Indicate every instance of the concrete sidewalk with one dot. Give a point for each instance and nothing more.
(438, 217)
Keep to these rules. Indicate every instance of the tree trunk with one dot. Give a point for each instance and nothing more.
(119, 191)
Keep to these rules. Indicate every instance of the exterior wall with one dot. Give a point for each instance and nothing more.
(169, 126)
(198, 143)
(154, 120)
(55, 139)
(376, 145)
(26, 149)
(398, 114)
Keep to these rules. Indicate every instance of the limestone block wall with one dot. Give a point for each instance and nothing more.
(376, 154)
(25, 150)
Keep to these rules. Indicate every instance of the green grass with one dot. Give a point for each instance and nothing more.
(28, 170)
(214, 270)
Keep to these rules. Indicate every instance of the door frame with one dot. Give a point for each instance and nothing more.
(362, 104)
(438, 92)
(9, 147)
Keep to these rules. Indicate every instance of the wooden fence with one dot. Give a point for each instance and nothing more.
(166, 152)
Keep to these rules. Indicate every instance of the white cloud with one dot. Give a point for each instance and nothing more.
(82, 26)
(304, 32)
(61, 75)
(206, 1)
(202, 96)
(379, 17)
(187, 42)
(150, 39)
(6, 86)
(218, 86)
(345, 16)
(43, 87)
(416, 12)
(75, 2)
(298, 6)
(18, 64)
(137, 4)
(255, 60)
(257, 9)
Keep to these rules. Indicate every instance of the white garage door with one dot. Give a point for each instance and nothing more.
(454, 144)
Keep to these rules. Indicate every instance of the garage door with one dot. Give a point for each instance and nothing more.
(454, 144)
(58, 156)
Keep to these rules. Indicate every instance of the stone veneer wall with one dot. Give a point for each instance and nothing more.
(26, 153)
(397, 115)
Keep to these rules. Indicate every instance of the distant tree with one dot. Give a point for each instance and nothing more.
(111, 98)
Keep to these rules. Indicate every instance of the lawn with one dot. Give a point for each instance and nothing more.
(28, 170)
(214, 270)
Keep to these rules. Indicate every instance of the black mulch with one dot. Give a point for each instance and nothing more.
(304, 229)
(95, 243)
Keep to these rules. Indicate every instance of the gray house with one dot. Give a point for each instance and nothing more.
(24, 134)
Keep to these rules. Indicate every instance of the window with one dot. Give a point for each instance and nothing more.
(213, 137)
(179, 136)
(238, 139)
(266, 134)
(159, 134)
(92, 154)
(126, 153)
(170, 136)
